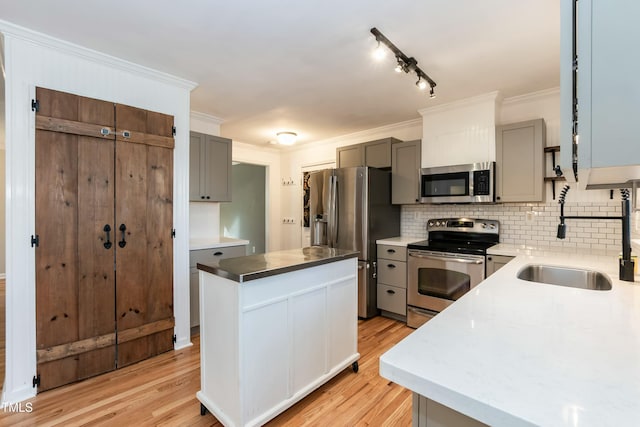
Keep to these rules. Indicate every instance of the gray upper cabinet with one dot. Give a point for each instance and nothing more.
(520, 161)
(350, 156)
(608, 99)
(376, 154)
(209, 168)
(405, 170)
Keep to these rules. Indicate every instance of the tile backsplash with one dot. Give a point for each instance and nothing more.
(531, 224)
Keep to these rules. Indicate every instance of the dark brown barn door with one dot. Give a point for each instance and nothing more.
(104, 296)
(144, 208)
(75, 293)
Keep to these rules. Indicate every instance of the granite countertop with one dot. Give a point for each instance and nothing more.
(517, 353)
(399, 241)
(215, 242)
(251, 267)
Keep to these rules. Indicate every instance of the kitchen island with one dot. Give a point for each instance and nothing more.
(273, 328)
(518, 353)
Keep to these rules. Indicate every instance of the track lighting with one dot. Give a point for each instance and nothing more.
(379, 53)
(403, 62)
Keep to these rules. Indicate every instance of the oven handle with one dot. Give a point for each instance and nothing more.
(436, 258)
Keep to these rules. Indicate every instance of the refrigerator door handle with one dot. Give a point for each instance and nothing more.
(333, 213)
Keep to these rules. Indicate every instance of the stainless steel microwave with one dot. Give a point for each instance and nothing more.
(470, 183)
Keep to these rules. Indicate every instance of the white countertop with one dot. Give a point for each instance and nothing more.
(512, 352)
(215, 242)
(399, 241)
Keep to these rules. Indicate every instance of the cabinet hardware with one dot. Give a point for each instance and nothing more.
(391, 266)
(218, 253)
(122, 243)
(173, 233)
(175, 338)
(126, 134)
(35, 105)
(173, 130)
(35, 241)
(390, 292)
(107, 243)
(391, 251)
(36, 381)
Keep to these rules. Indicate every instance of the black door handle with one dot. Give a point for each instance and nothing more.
(391, 266)
(390, 292)
(107, 243)
(122, 243)
(218, 253)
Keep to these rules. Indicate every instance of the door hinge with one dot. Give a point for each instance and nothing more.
(35, 240)
(35, 105)
(175, 339)
(173, 130)
(36, 381)
(173, 233)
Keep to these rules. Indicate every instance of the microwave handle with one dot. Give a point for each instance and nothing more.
(437, 258)
(419, 195)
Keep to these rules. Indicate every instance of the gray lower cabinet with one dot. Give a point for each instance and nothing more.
(376, 154)
(392, 281)
(496, 262)
(206, 256)
(209, 168)
(520, 161)
(405, 172)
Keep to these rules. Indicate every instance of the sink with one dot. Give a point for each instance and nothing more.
(565, 276)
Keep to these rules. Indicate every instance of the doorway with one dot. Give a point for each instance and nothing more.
(244, 217)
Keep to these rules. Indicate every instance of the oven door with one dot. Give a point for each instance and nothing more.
(437, 279)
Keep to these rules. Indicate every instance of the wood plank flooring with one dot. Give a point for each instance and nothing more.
(2, 327)
(161, 392)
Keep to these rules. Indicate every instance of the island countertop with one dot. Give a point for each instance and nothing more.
(517, 353)
(251, 267)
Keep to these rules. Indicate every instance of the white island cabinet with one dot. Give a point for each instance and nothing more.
(273, 328)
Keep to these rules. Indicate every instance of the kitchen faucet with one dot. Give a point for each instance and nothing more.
(626, 263)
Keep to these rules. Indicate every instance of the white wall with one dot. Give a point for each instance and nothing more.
(321, 155)
(34, 59)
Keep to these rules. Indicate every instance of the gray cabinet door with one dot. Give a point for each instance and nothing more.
(196, 192)
(209, 168)
(377, 154)
(496, 262)
(350, 156)
(218, 168)
(520, 162)
(405, 171)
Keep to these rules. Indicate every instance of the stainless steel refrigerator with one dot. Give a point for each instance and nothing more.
(350, 208)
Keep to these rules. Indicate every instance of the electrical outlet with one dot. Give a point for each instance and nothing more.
(530, 216)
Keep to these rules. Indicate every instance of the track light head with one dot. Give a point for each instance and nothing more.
(422, 85)
(432, 93)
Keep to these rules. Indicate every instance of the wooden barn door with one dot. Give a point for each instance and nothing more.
(144, 208)
(75, 288)
(104, 263)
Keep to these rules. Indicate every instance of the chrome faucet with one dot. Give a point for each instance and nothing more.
(626, 263)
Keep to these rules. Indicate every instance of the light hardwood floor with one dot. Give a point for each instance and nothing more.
(161, 392)
(2, 328)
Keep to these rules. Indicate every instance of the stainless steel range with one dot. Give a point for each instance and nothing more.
(447, 265)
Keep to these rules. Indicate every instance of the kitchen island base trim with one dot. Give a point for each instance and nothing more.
(268, 343)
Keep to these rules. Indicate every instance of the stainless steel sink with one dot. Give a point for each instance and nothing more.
(564, 276)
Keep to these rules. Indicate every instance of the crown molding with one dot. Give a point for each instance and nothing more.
(533, 96)
(207, 118)
(487, 97)
(357, 136)
(46, 41)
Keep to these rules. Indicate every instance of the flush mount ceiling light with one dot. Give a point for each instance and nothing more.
(286, 138)
(404, 63)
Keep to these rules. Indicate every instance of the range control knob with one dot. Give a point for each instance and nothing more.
(492, 226)
(430, 223)
(483, 225)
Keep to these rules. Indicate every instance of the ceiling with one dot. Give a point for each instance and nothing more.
(264, 66)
